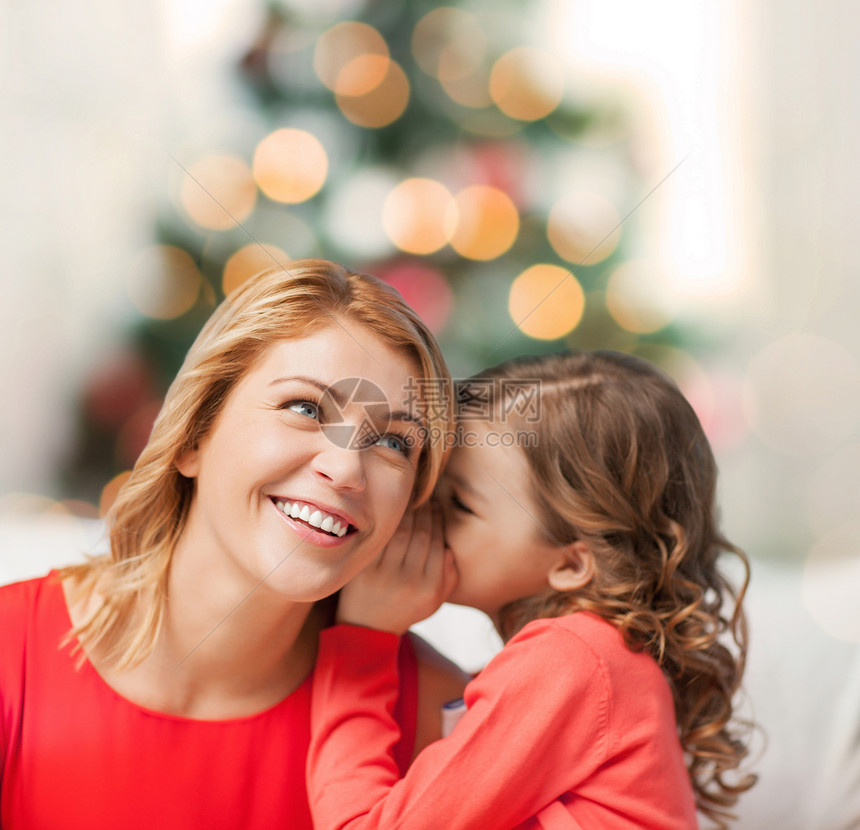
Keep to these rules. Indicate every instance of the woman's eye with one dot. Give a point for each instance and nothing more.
(396, 442)
(306, 408)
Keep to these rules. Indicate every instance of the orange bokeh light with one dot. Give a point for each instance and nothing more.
(383, 102)
(251, 260)
(484, 222)
(546, 302)
(290, 165)
(362, 75)
(163, 282)
(526, 84)
(416, 215)
(632, 298)
(217, 192)
(340, 45)
(448, 40)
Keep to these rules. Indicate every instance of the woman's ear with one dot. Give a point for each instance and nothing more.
(573, 568)
(188, 462)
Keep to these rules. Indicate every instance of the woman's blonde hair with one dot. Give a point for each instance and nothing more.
(622, 463)
(149, 514)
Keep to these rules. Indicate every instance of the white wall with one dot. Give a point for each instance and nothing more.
(82, 124)
(96, 97)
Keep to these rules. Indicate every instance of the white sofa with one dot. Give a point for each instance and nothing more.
(802, 687)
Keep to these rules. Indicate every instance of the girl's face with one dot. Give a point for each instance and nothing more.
(280, 495)
(492, 524)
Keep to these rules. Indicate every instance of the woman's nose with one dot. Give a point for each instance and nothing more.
(342, 466)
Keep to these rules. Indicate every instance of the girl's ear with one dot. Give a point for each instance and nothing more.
(188, 462)
(573, 568)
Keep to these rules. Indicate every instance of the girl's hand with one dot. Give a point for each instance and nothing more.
(408, 582)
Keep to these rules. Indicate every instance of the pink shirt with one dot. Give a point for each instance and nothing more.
(566, 728)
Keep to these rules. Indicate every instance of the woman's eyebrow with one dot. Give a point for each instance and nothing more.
(313, 382)
(341, 400)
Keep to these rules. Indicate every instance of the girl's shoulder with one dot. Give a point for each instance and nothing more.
(589, 639)
(581, 625)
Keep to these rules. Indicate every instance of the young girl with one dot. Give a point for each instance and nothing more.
(588, 533)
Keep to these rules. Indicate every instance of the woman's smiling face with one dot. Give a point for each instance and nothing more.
(288, 486)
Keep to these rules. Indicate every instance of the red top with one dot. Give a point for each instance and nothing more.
(75, 755)
(565, 728)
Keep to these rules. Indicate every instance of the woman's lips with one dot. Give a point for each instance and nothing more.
(315, 518)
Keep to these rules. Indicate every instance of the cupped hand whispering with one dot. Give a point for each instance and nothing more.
(407, 582)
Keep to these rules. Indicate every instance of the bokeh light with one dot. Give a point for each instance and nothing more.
(353, 218)
(381, 104)
(250, 260)
(290, 165)
(339, 46)
(63, 513)
(424, 288)
(472, 90)
(76, 508)
(18, 505)
(715, 394)
(717, 397)
(834, 490)
(448, 43)
(484, 222)
(352, 60)
(830, 578)
(417, 215)
(217, 192)
(802, 395)
(636, 298)
(546, 301)
(526, 83)
(362, 75)
(583, 227)
(163, 282)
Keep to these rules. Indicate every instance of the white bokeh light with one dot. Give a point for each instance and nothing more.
(802, 395)
(830, 579)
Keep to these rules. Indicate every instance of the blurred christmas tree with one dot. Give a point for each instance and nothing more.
(434, 146)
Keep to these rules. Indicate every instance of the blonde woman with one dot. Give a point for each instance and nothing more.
(167, 684)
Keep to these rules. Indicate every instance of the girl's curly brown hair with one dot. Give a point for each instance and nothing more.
(622, 463)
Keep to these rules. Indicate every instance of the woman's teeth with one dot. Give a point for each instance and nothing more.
(313, 516)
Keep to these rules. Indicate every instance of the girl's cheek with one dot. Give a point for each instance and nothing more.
(455, 534)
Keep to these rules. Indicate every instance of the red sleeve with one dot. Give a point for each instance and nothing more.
(544, 684)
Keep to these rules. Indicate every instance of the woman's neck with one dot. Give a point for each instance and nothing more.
(223, 651)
